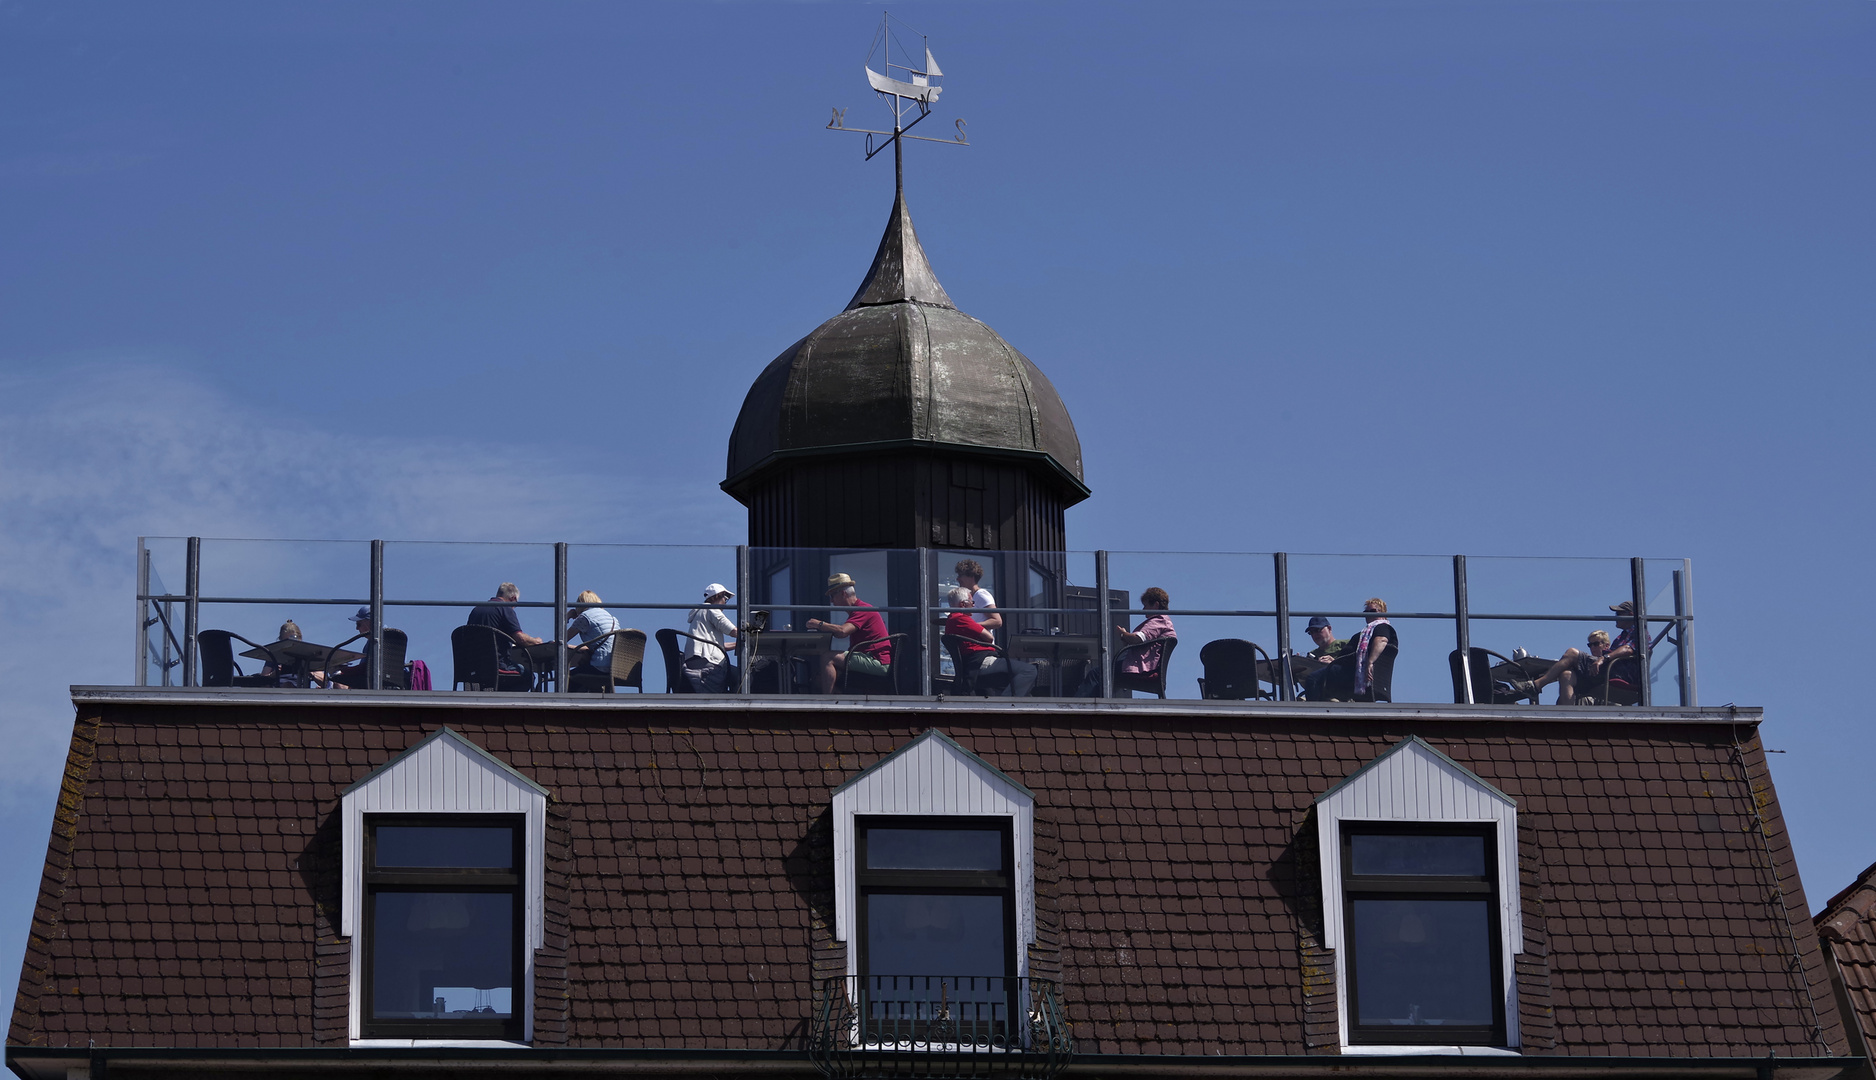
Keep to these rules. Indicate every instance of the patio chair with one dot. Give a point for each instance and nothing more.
(971, 680)
(1486, 691)
(674, 680)
(626, 667)
(1231, 671)
(876, 684)
(396, 643)
(476, 651)
(1154, 683)
(216, 652)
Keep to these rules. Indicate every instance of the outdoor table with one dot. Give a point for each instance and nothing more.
(542, 659)
(1301, 665)
(1054, 648)
(785, 645)
(1511, 671)
(296, 657)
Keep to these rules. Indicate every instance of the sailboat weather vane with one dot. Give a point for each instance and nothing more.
(916, 93)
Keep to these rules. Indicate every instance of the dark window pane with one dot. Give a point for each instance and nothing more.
(442, 954)
(934, 849)
(934, 935)
(1423, 962)
(478, 847)
(1435, 856)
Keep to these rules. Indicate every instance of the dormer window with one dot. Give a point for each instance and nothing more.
(1420, 914)
(1420, 905)
(443, 905)
(444, 859)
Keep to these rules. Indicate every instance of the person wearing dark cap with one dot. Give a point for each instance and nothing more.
(1327, 645)
(1576, 671)
(356, 676)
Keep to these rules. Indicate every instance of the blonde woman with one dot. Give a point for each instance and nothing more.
(593, 624)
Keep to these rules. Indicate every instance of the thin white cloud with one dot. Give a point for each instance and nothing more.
(105, 452)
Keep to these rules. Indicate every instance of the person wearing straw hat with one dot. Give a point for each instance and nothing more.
(869, 649)
(712, 634)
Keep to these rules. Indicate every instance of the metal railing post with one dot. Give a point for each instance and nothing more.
(1684, 629)
(1286, 688)
(376, 674)
(1462, 628)
(924, 623)
(143, 615)
(1638, 582)
(560, 618)
(745, 653)
(1105, 614)
(191, 609)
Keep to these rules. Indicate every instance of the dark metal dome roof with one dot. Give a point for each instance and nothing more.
(902, 367)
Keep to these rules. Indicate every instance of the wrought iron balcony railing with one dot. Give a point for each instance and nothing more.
(940, 1027)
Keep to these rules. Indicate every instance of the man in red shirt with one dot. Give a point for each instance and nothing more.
(869, 650)
(979, 646)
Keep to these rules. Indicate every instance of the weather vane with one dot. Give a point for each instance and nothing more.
(901, 96)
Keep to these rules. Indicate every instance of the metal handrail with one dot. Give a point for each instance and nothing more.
(1100, 607)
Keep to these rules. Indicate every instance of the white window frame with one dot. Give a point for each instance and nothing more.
(1413, 782)
(442, 774)
(933, 776)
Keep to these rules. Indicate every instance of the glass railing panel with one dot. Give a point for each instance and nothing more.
(1048, 603)
(460, 576)
(652, 588)
(1418, 591)
(162, 633)
(1670, 592)
(254, 588)
(1236, 582)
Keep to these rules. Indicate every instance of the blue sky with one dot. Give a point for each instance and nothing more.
(1498, 278)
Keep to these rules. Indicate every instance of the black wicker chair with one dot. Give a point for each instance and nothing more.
(1486, 691)
(477, 650)
(215, 651)
(876, 684)
(967, 665)
(392, 662)
(1151, 684)
(1231, 671)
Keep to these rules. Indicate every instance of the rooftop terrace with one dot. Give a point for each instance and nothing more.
(1053, 602)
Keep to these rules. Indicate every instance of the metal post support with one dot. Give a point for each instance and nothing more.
(1105, 614)
(560, 619)
(376, 674)
(924, 623)
(1286, 688)
(745, 648)
(1684, 630)
(143, 615)
(1638, 583)
(1462, 628)
(191, 609)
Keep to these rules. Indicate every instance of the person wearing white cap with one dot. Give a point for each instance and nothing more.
(706, 664)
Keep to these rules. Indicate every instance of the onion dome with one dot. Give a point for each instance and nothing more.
(902, 369)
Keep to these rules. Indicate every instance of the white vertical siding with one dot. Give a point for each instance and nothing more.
(1411, 782)
(446, 775)
(932, 777)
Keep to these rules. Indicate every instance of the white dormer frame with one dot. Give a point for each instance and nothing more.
(444, 773)
(1413, 782)
(934, 776)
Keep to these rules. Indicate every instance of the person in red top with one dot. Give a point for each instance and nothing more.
(869, 650)
(978, 644)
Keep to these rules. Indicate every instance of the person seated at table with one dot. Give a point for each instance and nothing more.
(1327, 645)
(511, 669)
(1351, 676)
(706, 662)
(1142, 663)
(593, 626)
(869, 649)
(288, 672)
(978, 645)
(356, 675)
(1577, 672)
